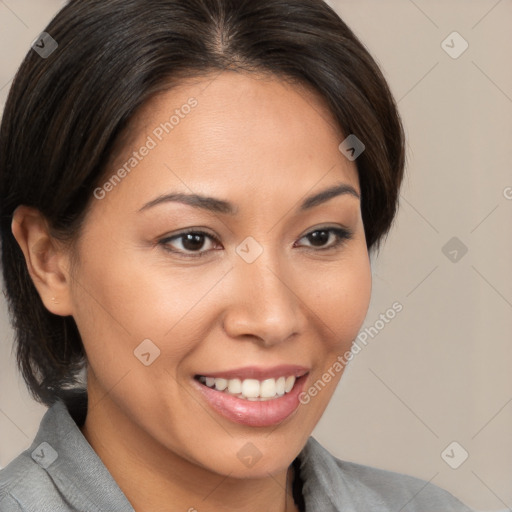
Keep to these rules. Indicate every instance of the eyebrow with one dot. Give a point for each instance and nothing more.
(215, 205)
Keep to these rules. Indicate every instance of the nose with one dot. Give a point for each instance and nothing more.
(265, 303)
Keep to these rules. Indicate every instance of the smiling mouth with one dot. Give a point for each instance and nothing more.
(251, 389)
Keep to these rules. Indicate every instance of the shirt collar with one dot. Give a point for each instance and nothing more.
(75, 468)
(323, 484)
(82, 478)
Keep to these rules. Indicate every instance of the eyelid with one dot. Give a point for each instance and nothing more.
(343, 234)
(188, 231)
(328, 227)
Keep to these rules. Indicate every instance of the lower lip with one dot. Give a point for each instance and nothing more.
(253, 413)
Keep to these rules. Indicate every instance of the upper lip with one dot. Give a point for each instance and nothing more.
(259, 373)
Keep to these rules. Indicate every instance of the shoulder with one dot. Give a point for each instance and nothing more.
(390, 489)
(22, 483)
(59, 472)
(9, 504)
(27, 483)
(369, 488)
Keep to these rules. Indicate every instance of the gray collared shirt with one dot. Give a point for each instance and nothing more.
(60, 472)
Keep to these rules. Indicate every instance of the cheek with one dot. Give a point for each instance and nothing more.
(343, 301)
(341, 307)
(126, 301)
(116, 305)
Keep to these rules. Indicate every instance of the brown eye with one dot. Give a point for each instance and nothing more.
(190, 243)
(320, 237)
(193, 241)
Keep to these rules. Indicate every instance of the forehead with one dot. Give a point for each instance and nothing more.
(232, 91)
(234, 129)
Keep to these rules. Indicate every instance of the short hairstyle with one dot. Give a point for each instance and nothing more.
(66, 114)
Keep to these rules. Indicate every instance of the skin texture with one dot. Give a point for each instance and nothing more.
(263, 145)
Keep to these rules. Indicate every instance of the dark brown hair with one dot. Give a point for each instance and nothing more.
(65, 114)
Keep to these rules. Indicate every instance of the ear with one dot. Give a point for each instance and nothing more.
(47, 260)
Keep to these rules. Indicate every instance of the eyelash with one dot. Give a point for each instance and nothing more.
(342, 234)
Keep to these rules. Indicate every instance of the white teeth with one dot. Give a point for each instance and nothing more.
(290, 381)
(252, 389)
(268, 388)
(220, 384)
(234, 386)
(280, 386)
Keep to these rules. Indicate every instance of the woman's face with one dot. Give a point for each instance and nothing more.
(270, 286)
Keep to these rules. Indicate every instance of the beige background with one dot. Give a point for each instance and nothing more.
(440, 370)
